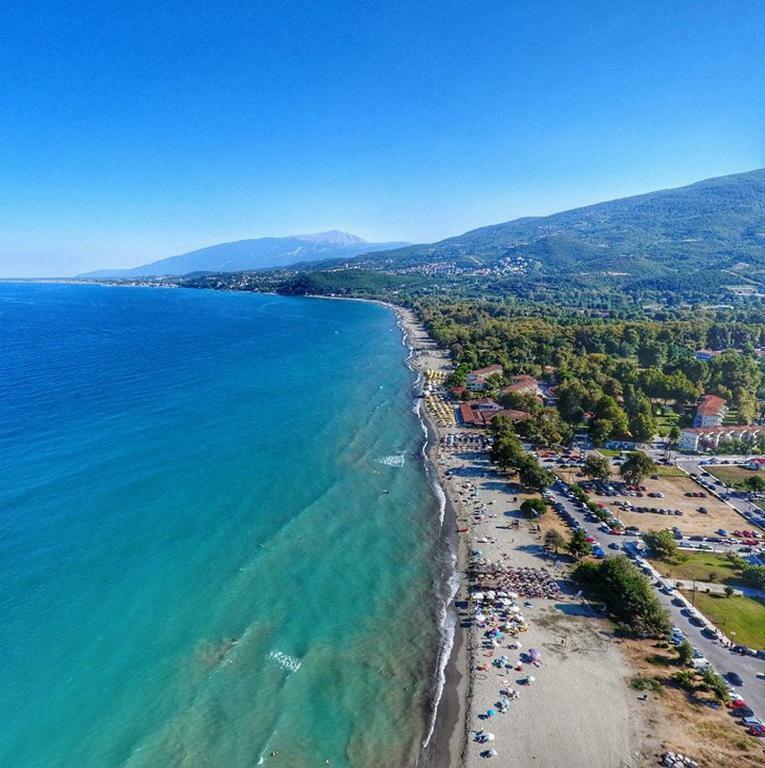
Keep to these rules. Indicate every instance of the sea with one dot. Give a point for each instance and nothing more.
(219, 545)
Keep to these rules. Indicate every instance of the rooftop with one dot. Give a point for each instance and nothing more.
(710, 405)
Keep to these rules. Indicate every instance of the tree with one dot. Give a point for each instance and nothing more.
(596, 467)
(533, 507)
(674, 434)
(753, 575)
(637, 466)
(652, 354)
(609, 419)
(554, 540)
(578, 545)
(684, 653)
(728, 590)
(662, 543)
(755, 483)
(506, 451)
(746, 404)
(716, 684)
(628, 595)
(533, 475)
(642, 422)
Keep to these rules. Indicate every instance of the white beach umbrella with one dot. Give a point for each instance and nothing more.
(489, 736)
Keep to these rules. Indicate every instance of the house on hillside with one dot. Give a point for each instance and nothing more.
(756, 463)
(477, 380)
(710, 411)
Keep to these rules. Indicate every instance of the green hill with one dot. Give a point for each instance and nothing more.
(717, 225)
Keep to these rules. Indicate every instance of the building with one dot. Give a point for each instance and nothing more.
(477, 380)
(482, 412)
(523, 385)
(710, 411)
(758, 463)
(706, 354)
(695, 439)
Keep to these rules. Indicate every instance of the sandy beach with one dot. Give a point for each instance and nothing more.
(579, 710)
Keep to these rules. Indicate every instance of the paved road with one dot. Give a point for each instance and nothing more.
(722, 659)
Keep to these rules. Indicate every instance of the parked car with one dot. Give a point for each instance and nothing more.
(735, 678)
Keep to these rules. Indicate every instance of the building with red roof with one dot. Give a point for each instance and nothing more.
(710, 411)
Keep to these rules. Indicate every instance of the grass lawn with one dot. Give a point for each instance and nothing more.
(743, 615)
(731, 475)
(665, 471)
(699, 567)
(610, 452)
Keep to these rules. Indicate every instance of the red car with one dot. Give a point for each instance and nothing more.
(757, 730)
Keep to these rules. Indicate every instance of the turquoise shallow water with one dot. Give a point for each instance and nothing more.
(217, 540)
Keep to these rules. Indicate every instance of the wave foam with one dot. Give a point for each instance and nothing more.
(284, 660)
(396, 460)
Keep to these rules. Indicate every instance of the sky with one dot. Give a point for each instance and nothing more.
(134, 131)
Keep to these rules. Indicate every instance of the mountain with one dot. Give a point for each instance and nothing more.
(717, 224)
(260, 253)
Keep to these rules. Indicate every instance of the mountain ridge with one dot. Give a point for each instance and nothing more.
(252, 254)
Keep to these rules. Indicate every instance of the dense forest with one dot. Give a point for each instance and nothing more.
(620, 378)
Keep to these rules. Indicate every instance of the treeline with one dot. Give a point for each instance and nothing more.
(610, 373)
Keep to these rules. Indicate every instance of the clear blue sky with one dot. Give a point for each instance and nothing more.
(134, 131)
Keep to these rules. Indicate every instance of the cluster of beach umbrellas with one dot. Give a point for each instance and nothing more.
(526, 582)
(441, 409)
(462, 440)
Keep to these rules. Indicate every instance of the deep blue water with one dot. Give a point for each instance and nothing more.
(216, 535)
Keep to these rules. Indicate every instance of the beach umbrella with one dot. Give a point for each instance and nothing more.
(480, 618)
(534, 653)
(490, 712)
(489, 736)
(530, 679)
(492, 753)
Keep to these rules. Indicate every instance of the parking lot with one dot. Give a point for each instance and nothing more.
(655, 504)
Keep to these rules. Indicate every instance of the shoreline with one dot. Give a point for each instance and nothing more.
(562, 720)
(447, 722)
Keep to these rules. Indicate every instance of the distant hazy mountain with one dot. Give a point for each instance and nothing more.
(713, 225)
(260, 253)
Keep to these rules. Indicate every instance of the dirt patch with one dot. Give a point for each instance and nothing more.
(688, 724)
